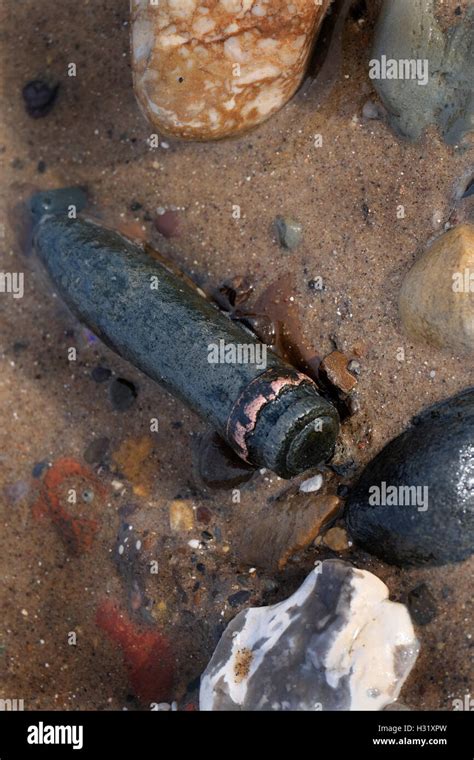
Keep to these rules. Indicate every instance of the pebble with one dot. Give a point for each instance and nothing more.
(371, 110)
(422, 605)
(204, 515)
(414, 503)
(289, 232)
(181, 516)
(39, 468)
(335, 367)
(312, 484)
(469, 191)
(96, 451)
(437, 295)
(336, 539)
(337, 643)
(196, 91)
(411, 31)
(123, 394)
(100, 374)
(167, 224)
(39, 97)
(239, 598)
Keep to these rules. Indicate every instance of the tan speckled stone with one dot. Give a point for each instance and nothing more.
(437, 295)
(207, 69)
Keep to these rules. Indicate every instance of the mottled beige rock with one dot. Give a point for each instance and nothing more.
(437, 295)
(181, 516)
(207, 69)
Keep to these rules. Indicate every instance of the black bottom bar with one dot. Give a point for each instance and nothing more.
(122, 734)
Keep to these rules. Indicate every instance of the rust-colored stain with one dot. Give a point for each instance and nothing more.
(242, 663)
(147, 653)
(65, 475)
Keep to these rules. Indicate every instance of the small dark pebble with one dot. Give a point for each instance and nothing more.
(201, 568)
(39, 468)
(289, 232)
(88, 496)
(344, 469)
(96, 451)
(235, 600)
(422, 604)
(343, 491)
(41, 167)
(469, 190)
(206, 536)
(100, 374)
(269, 585)
(135, 206)
(167, 224)
(123, 394)
(20, 346)
(39, 98)
(204, 515)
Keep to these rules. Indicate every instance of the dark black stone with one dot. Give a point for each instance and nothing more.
(343, 491)
(96, 451)
(469, 190)
(41, 167)
(422, 605)
(122, 394)
(39, 98)
(235, 600)
(436, 452)
(39, 468)
(100, 374)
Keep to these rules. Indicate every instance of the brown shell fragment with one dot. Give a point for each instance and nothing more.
(207, 69)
